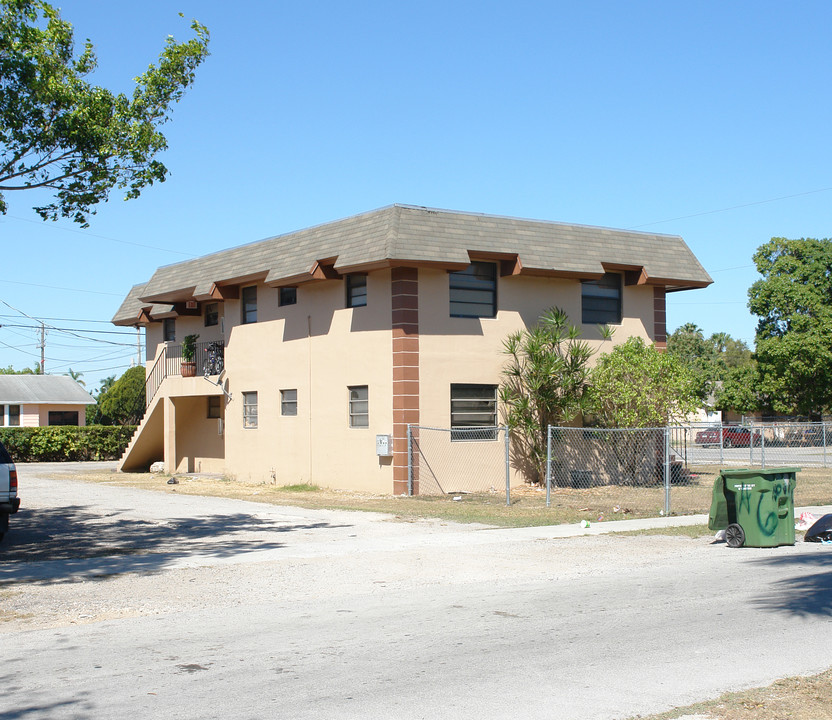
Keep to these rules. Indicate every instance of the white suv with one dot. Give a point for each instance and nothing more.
(9, 502)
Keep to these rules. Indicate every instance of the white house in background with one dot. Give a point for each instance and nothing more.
(41, 400)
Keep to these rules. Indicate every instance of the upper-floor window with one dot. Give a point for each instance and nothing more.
(359, 406)
(473, 291)
(289, 402)
(601, 300)
(249, 409)
(473, 412)
(356, 290)
(169, 329)
(287, 296)
(212, 314)
(249, 304)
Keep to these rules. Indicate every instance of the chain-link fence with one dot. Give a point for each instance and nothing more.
(643, 471)
(588, 458)
(444, 461)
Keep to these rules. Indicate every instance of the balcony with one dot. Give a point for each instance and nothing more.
(209, 360)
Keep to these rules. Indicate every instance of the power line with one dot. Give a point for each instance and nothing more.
(733, 207)
(100, 237)
(55, 287)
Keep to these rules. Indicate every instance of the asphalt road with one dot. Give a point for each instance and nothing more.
(158, 605)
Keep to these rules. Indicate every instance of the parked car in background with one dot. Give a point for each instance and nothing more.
(732, 436)
(9, 502)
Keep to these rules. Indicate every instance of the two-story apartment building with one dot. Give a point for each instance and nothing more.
(341, 332)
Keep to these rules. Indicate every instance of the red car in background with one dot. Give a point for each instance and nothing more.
(732, 436)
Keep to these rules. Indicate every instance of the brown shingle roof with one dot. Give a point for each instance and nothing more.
(404, 234)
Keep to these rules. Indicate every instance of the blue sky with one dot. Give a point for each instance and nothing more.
(709, 120)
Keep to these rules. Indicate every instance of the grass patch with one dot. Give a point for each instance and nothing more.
(799, 698)
(691, 531)
(301, 487)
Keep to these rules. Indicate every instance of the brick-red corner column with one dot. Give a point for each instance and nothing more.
(405, 324)
(659, 318)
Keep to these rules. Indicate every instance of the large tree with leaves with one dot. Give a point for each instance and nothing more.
(635, 385)
(61, 133)
(794, 333)
(544, 383)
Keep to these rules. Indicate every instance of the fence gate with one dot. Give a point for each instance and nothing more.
(450, 461)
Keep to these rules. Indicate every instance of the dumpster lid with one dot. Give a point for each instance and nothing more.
(728, 473)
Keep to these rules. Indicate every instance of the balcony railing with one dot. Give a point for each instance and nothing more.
(208, 358)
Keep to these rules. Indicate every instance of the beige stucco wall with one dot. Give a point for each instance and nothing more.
(320, 348)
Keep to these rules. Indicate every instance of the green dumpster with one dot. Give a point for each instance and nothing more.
(754, 507)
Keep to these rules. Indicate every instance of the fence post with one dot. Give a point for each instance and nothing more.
(824, 444)
(762, 445)
(409, 461)
(721, 444)
(548, 465)
(667, 471)
(508, 469)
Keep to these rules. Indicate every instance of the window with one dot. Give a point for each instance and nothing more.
(63, 417)
(356, 290)
(214, 406)
(287, 296)
(288, 402)
(473, 412)
(14, 415)
(249, 409)
(170, 329)
(359, 406)
(473, 291)
(212, 314)
(249, 297)
(601, 300)
(2, 415)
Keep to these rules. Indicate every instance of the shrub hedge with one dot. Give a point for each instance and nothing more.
(66, 443)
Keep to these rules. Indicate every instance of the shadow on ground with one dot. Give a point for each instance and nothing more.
(55, 544)
(807, 593)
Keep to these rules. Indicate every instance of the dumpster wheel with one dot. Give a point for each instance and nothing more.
(735, 535)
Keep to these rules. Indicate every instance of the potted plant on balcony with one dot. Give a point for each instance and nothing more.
(188, 368)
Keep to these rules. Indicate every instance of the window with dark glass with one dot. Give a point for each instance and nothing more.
(249, 300)
(356, 290)
(289, 402)
(14, 415)
(212, 314)
(473, 291)
(473, 412)
(249, 409)
(63, 417)
(287, 296)
(169, 325)
(359, 406)
(214, 406)
(601, 300)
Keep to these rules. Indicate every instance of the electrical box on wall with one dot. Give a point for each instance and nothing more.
(384, 447)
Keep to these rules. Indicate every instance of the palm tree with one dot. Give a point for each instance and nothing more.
(76, 376)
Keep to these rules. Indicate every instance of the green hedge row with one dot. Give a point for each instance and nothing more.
(66, 443)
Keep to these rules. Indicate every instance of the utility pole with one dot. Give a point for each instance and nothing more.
(42, 347)
(138, 345)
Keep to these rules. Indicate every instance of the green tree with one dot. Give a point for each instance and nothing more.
(710, 360)
(123, 403)
(77, 140)
(76, 376)
(738, 391)
(544, 383)
(635, 385)
(25, 371)
(793, 301)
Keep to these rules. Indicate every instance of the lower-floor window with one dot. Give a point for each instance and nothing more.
(63, 417)
(249, 409)
(14, 415)
(473, 412)
(359, 406)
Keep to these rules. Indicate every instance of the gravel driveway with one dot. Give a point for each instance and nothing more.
(118, 602)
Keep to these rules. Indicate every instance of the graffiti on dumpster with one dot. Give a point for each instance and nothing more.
(766, 521)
